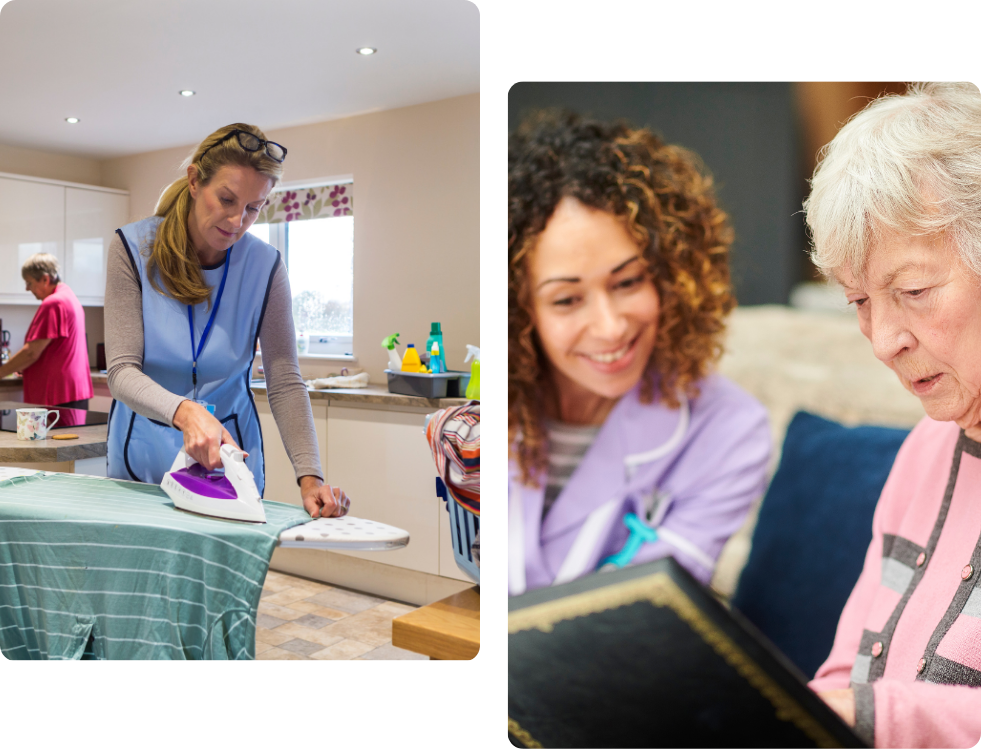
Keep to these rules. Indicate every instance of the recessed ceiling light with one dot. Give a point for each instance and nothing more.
(71, 120)
(366, 50)
(187, 92)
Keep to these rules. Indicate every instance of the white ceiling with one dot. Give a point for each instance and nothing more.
(118, 66)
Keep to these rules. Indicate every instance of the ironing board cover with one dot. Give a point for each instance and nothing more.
(107, 569)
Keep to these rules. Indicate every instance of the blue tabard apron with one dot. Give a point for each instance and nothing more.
(142, 449)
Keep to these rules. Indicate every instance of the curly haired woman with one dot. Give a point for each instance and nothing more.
(618, 288)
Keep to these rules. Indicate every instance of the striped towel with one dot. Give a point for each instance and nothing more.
(107, 569)
(454, 436)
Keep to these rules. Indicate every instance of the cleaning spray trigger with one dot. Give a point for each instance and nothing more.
(394, 360)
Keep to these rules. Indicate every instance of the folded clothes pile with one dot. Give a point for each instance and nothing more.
(454, 436)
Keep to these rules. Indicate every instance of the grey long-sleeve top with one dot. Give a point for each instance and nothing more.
(288, 397)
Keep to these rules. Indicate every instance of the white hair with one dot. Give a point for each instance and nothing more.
(40, 263)
(908, 164)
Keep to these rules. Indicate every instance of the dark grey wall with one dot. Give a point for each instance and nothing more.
(748, 136)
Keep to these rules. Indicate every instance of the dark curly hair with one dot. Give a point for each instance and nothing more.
(668, 202)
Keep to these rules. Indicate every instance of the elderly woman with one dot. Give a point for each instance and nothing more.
(54, 360)
(618, 287)
(895, 216)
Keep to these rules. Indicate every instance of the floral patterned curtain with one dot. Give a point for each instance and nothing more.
(311, 202)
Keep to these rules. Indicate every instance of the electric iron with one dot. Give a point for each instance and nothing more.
(232, 495)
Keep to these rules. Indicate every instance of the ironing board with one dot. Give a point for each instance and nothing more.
(102, 568)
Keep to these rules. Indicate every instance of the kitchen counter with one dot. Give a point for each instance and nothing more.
(91, 443)
(373, 394)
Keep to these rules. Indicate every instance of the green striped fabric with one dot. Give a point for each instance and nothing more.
(107, 569)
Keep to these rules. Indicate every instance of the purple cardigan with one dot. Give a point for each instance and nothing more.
(693, 472)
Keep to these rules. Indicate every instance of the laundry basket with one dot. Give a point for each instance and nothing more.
(463, 530)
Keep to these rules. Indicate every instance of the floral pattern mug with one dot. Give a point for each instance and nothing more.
(32, 423)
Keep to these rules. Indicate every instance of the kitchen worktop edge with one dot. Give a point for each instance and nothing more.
(373, 394)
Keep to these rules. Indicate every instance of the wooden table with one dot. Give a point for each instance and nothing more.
(445, 630)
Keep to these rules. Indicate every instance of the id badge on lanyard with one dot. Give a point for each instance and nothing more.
(196, 350)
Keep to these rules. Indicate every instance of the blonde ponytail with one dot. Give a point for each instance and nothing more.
(173, 266)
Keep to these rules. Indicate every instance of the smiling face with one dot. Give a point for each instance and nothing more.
(223, 209)
(920, 306)
(594, 306)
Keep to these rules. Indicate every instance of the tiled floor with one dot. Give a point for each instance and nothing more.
(302, 620)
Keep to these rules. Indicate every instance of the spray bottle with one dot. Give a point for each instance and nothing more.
(473, 388)
(436, 335)
(394, 360)
(435, 360)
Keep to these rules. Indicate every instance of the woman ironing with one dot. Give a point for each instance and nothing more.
(189, 293)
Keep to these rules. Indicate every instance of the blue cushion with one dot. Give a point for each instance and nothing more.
(813, 531)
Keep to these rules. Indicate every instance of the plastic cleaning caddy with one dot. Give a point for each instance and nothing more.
(423, 385)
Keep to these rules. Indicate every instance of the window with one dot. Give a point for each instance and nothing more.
(313, 228)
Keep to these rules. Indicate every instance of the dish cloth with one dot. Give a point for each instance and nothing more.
(350, 381)
(107, 569)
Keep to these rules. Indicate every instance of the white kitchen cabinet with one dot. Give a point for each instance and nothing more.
(75, 223)
(381, 457)
(382, 460)
(91, 220)
(32, 219)
(281, 483)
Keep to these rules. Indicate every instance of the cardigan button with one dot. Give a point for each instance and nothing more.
(967, 572)
(877, 650)
(921, 559)
(921, 665)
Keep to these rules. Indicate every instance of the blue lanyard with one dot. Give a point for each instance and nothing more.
(196, 354)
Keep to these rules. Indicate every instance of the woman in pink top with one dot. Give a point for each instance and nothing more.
(895, 217)
(54, 359)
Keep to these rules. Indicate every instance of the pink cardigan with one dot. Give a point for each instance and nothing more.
(909, 638)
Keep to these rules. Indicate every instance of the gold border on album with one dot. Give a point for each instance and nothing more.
(660, 590)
